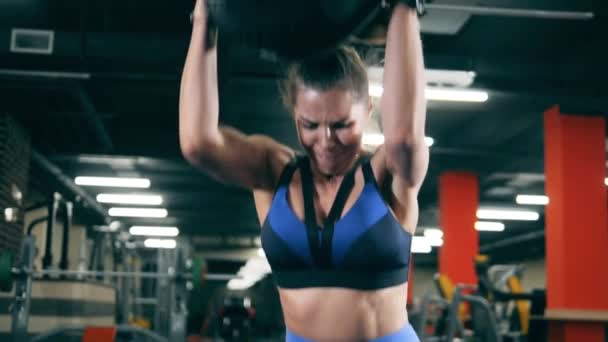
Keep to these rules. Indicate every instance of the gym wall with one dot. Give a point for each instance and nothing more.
(14, 171)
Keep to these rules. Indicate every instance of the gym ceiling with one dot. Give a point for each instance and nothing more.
(104, 103)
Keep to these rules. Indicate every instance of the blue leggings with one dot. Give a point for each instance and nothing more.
(406, 334)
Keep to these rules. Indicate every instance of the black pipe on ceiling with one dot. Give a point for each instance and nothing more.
(68, 184)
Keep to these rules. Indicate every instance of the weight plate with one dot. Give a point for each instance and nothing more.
(6, 275)
(197, 274)
(291, 30)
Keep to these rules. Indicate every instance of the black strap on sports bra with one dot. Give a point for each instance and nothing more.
(320, 240)
(287, 173)
(309, 207)
(368, 173)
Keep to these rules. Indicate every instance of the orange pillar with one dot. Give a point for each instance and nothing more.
(458, 201)
(99, 334)
(576, 236)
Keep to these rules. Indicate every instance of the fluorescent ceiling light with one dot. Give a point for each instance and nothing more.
(160, 243)
(433, 233)
(130, 199)
(434, 77)
(113, 182)
(606, 181)
(421, 245)
(438, 94)
(532, 199)
(488, 226)
(441, 94)
(138, 212)
(377, 139)
(434, 237)
(154, 231)
(434, 242)
(502, 214)
(455, 78)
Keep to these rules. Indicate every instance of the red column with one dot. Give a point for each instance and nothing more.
(458, 202)
(99, 334)
(576, 235)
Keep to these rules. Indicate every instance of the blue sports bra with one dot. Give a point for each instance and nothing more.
(365, 249)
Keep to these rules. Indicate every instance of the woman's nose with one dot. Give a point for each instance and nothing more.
(327, 136)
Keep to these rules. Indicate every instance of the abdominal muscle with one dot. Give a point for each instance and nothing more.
(338, 314)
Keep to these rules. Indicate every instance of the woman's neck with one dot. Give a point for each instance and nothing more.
(333, 180)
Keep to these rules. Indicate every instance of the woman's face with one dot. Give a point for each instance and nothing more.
(330, 126)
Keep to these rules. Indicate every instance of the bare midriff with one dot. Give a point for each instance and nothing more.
(339, 314)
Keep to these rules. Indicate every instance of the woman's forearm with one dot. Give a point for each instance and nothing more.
(403, 101)
(198, 101)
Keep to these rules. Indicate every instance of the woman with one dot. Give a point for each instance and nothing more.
(337, 225)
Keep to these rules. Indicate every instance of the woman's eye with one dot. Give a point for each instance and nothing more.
(308, 125)
(340, 125)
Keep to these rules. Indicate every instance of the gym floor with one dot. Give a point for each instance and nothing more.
(91, 89)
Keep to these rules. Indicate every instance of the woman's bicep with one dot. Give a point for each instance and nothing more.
(408, 163)
(249, 161)
(400, 182)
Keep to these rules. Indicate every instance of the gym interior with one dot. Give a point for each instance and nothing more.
(108, 234)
